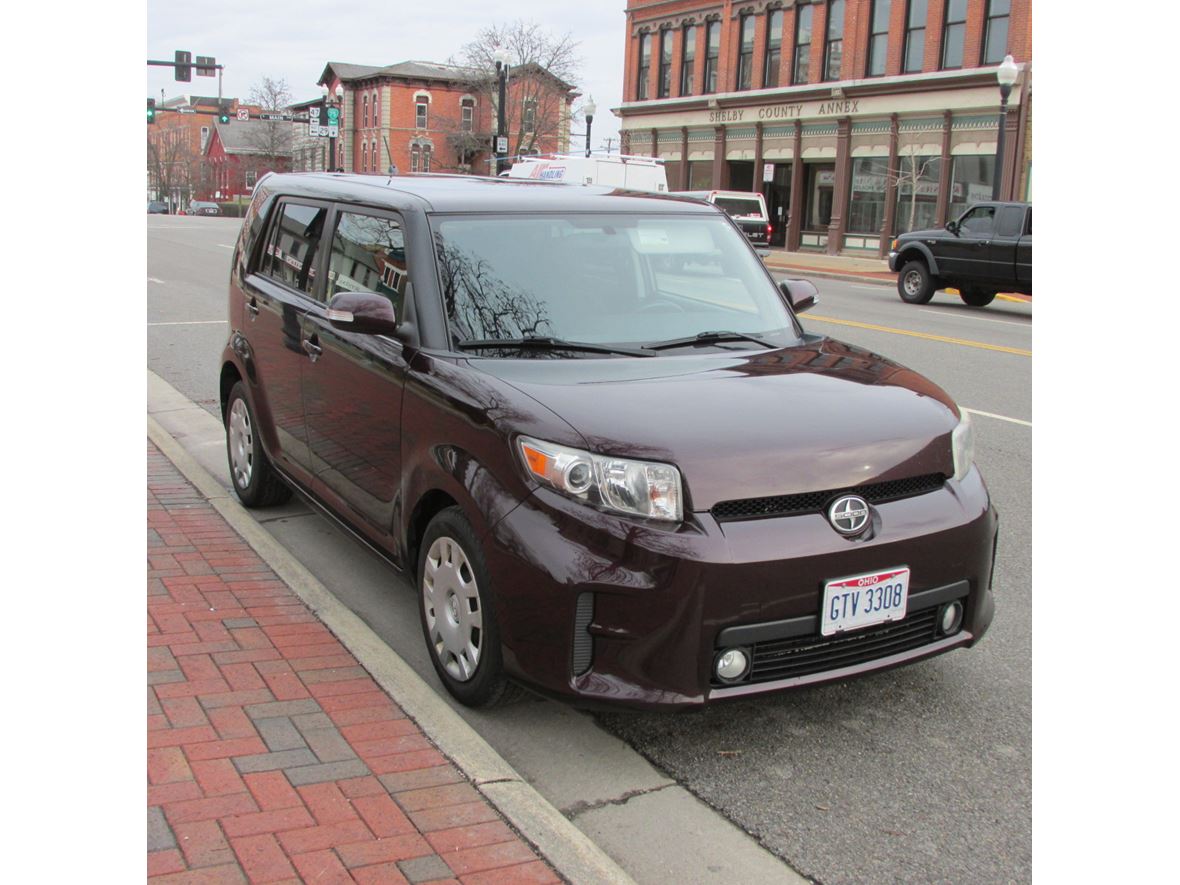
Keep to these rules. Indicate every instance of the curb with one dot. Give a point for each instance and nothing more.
(566, 848)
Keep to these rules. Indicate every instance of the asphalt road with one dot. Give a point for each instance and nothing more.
(921, 774)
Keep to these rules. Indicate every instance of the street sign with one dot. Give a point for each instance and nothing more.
(275, 115)
(501, 144)
(186, 110)
(333, 116)
(206, 66)
(243, 114)
(768, 171)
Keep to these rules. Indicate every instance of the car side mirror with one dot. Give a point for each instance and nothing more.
(365, 313)
(801, 293)
(953, 227)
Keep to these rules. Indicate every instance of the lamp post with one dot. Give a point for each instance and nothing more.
(329, 103)
(588, 109)
(503, 57)
(1006, 75)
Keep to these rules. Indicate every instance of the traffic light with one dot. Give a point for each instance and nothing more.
(184, 69)
(151, 110)
(223, 114)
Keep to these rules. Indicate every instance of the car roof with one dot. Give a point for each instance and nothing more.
(475, 193)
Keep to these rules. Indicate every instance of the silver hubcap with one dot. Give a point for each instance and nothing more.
(913, 282)
(454, 616)
(241, 444)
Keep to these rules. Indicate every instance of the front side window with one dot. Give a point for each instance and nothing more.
(774, 48)
(878, 38)
(665, 74)
(687, 59)
(834, 44)
(712, 54)
(291, 247)
(954, 29)
(915, 37)
(421, 108)
(979, 222)
(995, 38)
(368, 255)
(745, 52)
(644, 67)
(628, 280)
(802, 44)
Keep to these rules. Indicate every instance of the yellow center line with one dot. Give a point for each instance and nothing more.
(963, 341)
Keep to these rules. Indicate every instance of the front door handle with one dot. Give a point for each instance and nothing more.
(312, 348)
(252, 306)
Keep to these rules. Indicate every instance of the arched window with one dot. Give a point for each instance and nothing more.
(421, 110)
(467, 113)
(376, 112)
(376, 158)
(365, 112)
(364, 157)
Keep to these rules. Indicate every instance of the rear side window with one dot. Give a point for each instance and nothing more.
(369, 255)
(291, 247)
(1011, 219)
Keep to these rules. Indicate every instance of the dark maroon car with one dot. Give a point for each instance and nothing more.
(590, 428)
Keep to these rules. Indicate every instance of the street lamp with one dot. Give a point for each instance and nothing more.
(1006, 75)
(588, 109)
(503, 58)
(337, 105)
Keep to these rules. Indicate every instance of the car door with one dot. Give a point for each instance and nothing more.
(1002, 254)
(1024, 254)
(352, 385)
(277, 297)
(965, 256)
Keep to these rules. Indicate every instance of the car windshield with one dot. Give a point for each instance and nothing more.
(629, 280)
(739, 207)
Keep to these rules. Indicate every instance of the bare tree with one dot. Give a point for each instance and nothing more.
(911, 174)
(174, 164)
(272, 139)
(541, 74)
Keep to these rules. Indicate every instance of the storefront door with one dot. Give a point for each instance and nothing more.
(821, 187)
(778, 202)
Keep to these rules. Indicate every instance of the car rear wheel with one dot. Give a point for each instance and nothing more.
(255, 481)
(914, 283)
(458, 615)
(977, 297)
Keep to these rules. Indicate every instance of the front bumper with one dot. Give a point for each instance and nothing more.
(893, 266)
(605, 610)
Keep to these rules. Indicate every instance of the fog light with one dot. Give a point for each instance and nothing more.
(731, 665)
(951, 618)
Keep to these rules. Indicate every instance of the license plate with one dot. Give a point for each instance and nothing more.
(864, 600)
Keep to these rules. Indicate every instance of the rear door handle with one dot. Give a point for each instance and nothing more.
(312, 348)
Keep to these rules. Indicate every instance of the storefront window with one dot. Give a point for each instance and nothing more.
(971, 181)
(821, 185)
(866, 207)
(700, 175)
(917, 193)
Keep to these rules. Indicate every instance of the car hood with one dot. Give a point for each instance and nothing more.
(822, 415)
(932, 233)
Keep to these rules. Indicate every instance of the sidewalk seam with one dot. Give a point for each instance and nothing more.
(570, 852)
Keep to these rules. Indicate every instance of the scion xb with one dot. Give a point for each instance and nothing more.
(589, 427)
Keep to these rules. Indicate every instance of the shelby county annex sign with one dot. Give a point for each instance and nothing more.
(834, 108)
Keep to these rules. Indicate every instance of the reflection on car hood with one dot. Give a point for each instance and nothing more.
(823, 415)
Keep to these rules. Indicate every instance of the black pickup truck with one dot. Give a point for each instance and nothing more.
(987, 250)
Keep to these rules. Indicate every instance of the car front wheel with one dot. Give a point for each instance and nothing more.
(250, 470)
(914, 283)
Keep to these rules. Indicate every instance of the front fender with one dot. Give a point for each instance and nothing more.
(910, 251)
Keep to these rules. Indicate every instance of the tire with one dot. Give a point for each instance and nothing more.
(977, 297)
(254, 479)
(458, 614)
(914, 283)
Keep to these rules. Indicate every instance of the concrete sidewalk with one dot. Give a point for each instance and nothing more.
(273, 756)
(841, 267)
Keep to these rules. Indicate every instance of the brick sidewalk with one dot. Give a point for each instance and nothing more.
(272, 755)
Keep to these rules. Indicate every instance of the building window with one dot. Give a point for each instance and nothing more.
(688, 57)
(954, 28)
(414, 158)
(376, 113)
(529, 117)
(834, 44)
(774, 48)
(364, 158)
(745, 51)
(373, 154)
(917, 193)
(971, 182)
(995, 39)
(420, 112)
(802, 43)
(644, 66)
(426, 158)
(712, 53)
(866, 206)
(664, 87)
(364, 111)
(915, 37)
(467, 109)
(878, 38)
(204, 137)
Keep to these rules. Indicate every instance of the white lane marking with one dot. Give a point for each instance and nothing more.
(224, 246)
(154, 280)
(192, 323)
(980, 319)
(998, 417)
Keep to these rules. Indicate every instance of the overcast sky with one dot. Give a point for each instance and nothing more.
(294, 39)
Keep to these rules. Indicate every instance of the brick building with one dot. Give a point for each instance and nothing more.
(242, 151)
(858, 119)
(176, 145)
(429, 117)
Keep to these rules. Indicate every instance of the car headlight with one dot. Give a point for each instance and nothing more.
(893, 246)
(636, 488)
(963, 445)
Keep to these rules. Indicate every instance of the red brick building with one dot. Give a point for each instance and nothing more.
(858, 119)
(176, 145)
(429, 117)
(241, 152)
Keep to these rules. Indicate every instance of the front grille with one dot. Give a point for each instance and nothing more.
(804, 655)
(815, 502)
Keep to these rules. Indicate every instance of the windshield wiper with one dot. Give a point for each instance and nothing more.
(709, 338)
(546, 342)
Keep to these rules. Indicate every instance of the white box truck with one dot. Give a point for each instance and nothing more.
(612, 170)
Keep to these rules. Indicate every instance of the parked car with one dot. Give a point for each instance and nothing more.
(197, 207)
(157, 207)
(590, 429)
(988, 249)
